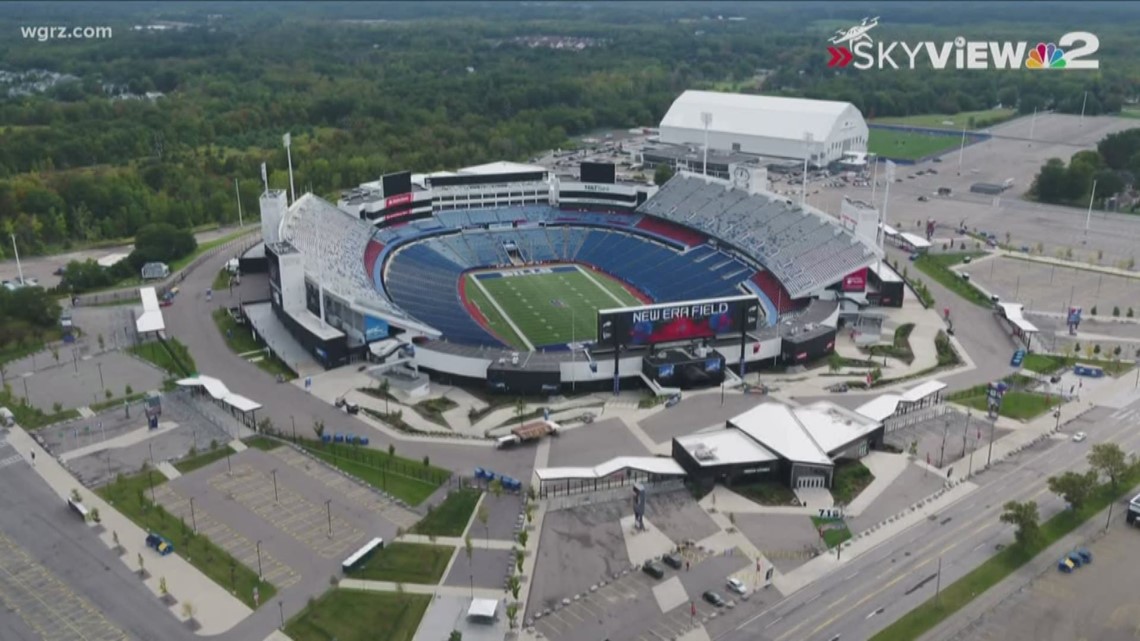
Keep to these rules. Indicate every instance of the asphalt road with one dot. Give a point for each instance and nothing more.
(36, 521)
(871, 591)
(190, 322)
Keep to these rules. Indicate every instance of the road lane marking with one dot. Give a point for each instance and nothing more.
(1024, 486)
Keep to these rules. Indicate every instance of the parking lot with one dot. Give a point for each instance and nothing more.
(47, 605)
(787, 540)
(628, 607)
(912, 485)
(79, 380)
(1094, 602)
(1051, 288)
(583, 545)
(486, 569)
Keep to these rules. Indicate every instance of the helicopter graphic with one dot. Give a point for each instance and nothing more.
(858, 33)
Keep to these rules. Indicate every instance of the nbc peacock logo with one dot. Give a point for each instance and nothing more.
(1046, 56)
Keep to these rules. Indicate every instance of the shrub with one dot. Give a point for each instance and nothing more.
(1093, 310)
(1096, 349)
(1130, 314)
(1116, 311)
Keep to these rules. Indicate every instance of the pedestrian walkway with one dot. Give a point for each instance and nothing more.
(457, 542)
(128, 439)
(85, 412)
(225, 610)
(168, 470)
(886, 467)
(419, 588)
(723, 499)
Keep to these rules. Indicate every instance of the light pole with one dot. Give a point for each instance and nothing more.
(294, 422)
(1084, 101)
(965, 433)
(942, 454)
(193, 520)
(706, 120)
(1088, 216)
(328, 508)
(276, 499)
(259, 574)
(19, 270)
(281, 609)
(993, 425)
(100, 366)
(150, 448)
(808, 138)
(962, 150)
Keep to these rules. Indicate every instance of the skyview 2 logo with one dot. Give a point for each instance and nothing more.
(854, 47)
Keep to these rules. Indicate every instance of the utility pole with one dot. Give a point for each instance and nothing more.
(993, 425)
(938, 582)
(1083, 102)
(259, 573)
(962, 150)
(328, 507)
(276, 499)
(1088, 216)
(193, 520)
(288, 140)
(19, 270)
(238, 192)
(942, 454)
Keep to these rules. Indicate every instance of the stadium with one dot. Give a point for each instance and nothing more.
(510, 276)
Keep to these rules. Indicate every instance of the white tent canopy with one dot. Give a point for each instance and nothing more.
(218, 390)
(482, 609)
(151, 319)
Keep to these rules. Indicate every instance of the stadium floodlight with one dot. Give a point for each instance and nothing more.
(288, 139)
(808, 139)
(238, 192)
(706, 120)
(19, 269)
(264, 177)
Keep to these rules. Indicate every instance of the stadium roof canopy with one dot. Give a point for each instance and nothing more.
(502, 167)
(752, 115)
(649, 464)
(807, 434)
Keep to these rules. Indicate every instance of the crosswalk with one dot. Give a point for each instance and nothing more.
(1125, 415)
(8, 454)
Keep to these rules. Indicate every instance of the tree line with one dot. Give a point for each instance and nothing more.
(77, 166)
(1114, 165)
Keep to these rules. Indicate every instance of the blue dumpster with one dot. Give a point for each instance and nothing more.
(326, 438)
(364, 440)
(338, 438)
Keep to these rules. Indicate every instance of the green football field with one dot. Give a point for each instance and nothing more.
(545, 306)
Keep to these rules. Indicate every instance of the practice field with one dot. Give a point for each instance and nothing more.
(981, 119)
(907, 145)
(538, 307)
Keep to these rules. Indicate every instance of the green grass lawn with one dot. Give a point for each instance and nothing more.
(1050, 363)
(130, 495)
(937, 267)
(221, 281)
(29, 417)
(406, 563)
(200, 460)
(355, 615)
(433, 408)
(241, 341)
(768, 493)
(550, 308)
(14, 352)
(116, 402)
(163, 356)
(982, 119)
(1014, 404)
(899, 348)
(954, 597)
(450, 517)
(907, 145)
(835, 533)
(403, 478)
(263, 443)
(851, 478)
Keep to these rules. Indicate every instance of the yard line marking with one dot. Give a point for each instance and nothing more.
(607, 292)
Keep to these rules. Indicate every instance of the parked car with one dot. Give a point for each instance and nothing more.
(922, 199)
(737, 586)
(159, 544)
(1079, 436)
(653, 569)
(713, 599)
(673, 560)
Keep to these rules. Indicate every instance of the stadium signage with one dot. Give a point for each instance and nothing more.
(397, 200)
(686, 311)
(605, 189)
(854, 47)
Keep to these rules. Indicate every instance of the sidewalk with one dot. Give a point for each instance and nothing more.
(123, 440)
(419, 588)
(457, 542)
(218, 610)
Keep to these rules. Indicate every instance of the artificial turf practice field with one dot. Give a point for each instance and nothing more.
(550, 305)
(909, 145)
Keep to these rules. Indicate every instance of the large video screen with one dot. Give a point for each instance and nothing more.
(598, 172)
(669, 322)
(395, 184)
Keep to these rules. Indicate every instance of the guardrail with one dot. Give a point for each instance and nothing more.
(243, 243)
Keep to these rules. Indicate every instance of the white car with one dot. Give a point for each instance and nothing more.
(737, 586)
(1079, 436)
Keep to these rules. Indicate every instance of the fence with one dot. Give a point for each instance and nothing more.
(240, 245)
(909, 419)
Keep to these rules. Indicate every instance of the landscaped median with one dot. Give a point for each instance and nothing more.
(922, 619)
(1050, 363)
(131, 496)
(938, 268)
(408, 480)
(400, 562)
(450, 518)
